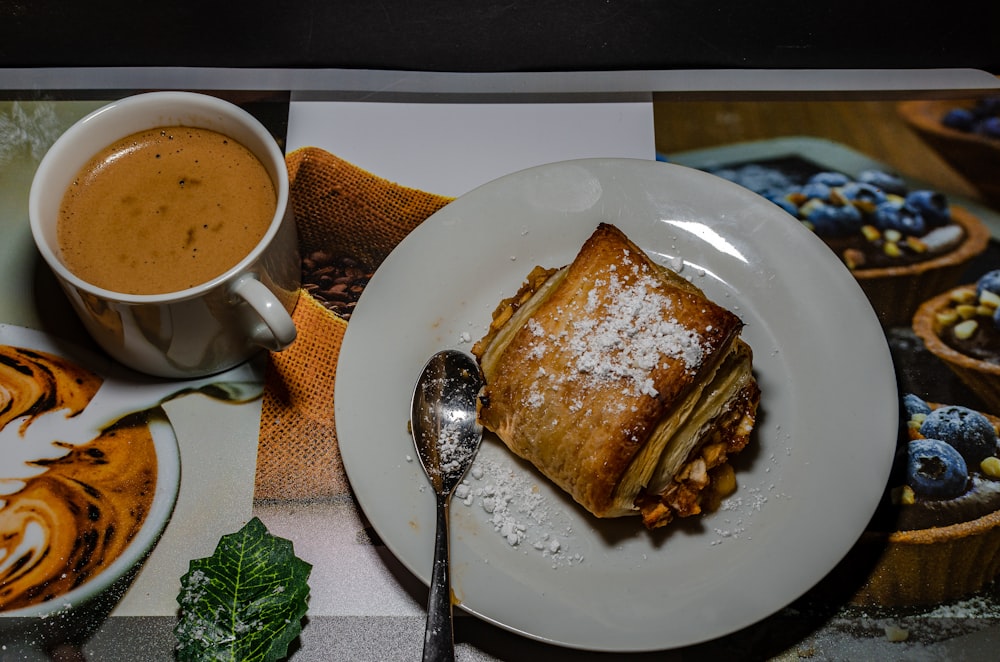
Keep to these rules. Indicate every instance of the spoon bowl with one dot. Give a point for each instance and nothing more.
(446, 436)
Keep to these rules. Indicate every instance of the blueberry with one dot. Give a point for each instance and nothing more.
(835, 221)
(968, 431)
(894, 215)
(988, 106)
(885, 181)
(931, 205)
(914, 404)
(817, 190)
(988, 282)
(863, 195)
(935, 469)
(829, 178)
(725, 173)
(990, 127)
(761, 179)
(959, 119)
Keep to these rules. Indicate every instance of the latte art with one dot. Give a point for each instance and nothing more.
(69, 511)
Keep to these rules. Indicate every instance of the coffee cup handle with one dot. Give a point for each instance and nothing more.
(278, 330)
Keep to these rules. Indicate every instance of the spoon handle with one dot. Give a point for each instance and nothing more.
(439, 642)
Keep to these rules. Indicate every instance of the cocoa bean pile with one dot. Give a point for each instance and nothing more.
(336, 281)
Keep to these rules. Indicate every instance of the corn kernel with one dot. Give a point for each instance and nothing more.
(903, 495)
(810, 205)
(984, 311)
(962, 295)
(893, 235)
(864, 206)
(796, 198)
(947, 317)
(991, 299)
(916, 245)
(854, 258)
(892, 249)
(871, 232)
(991, 467)
(965, 330)
(965, 310)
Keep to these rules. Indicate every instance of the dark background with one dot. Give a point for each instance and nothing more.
(496, 35)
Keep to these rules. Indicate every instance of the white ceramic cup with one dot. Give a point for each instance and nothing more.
(203, 329)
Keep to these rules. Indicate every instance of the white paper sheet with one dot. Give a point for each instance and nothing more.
(450, 148)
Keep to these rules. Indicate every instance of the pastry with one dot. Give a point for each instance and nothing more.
(620, 382)
(962, 328)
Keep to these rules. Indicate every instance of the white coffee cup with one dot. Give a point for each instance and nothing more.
(204, 329)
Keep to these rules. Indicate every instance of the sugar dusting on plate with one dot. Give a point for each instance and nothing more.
(507, 499)
(735, 515)
(518, 512)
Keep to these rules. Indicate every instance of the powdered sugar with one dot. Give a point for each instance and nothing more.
(518, 511)
(454, 455)
(622, 333)
(734, 519)
(735, 513)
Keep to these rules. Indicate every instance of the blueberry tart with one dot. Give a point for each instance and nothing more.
(901, 244)
(936, 536)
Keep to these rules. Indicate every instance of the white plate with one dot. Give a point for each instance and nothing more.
(822, 450)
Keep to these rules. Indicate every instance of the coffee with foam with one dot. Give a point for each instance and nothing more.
(164, 210)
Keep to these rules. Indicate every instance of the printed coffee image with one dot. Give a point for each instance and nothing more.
(71, 510)
(164, 210)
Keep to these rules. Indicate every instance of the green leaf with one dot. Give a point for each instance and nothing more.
(245, 602)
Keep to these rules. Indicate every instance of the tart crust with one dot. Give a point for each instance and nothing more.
(925, 566)
(896, 292)
(933, 565)
(982, 377)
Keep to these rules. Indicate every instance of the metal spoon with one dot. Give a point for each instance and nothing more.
(446, 436)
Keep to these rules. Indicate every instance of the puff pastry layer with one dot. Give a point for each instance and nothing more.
(620, 382)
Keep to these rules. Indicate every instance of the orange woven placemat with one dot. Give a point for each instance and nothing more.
(340, 210)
